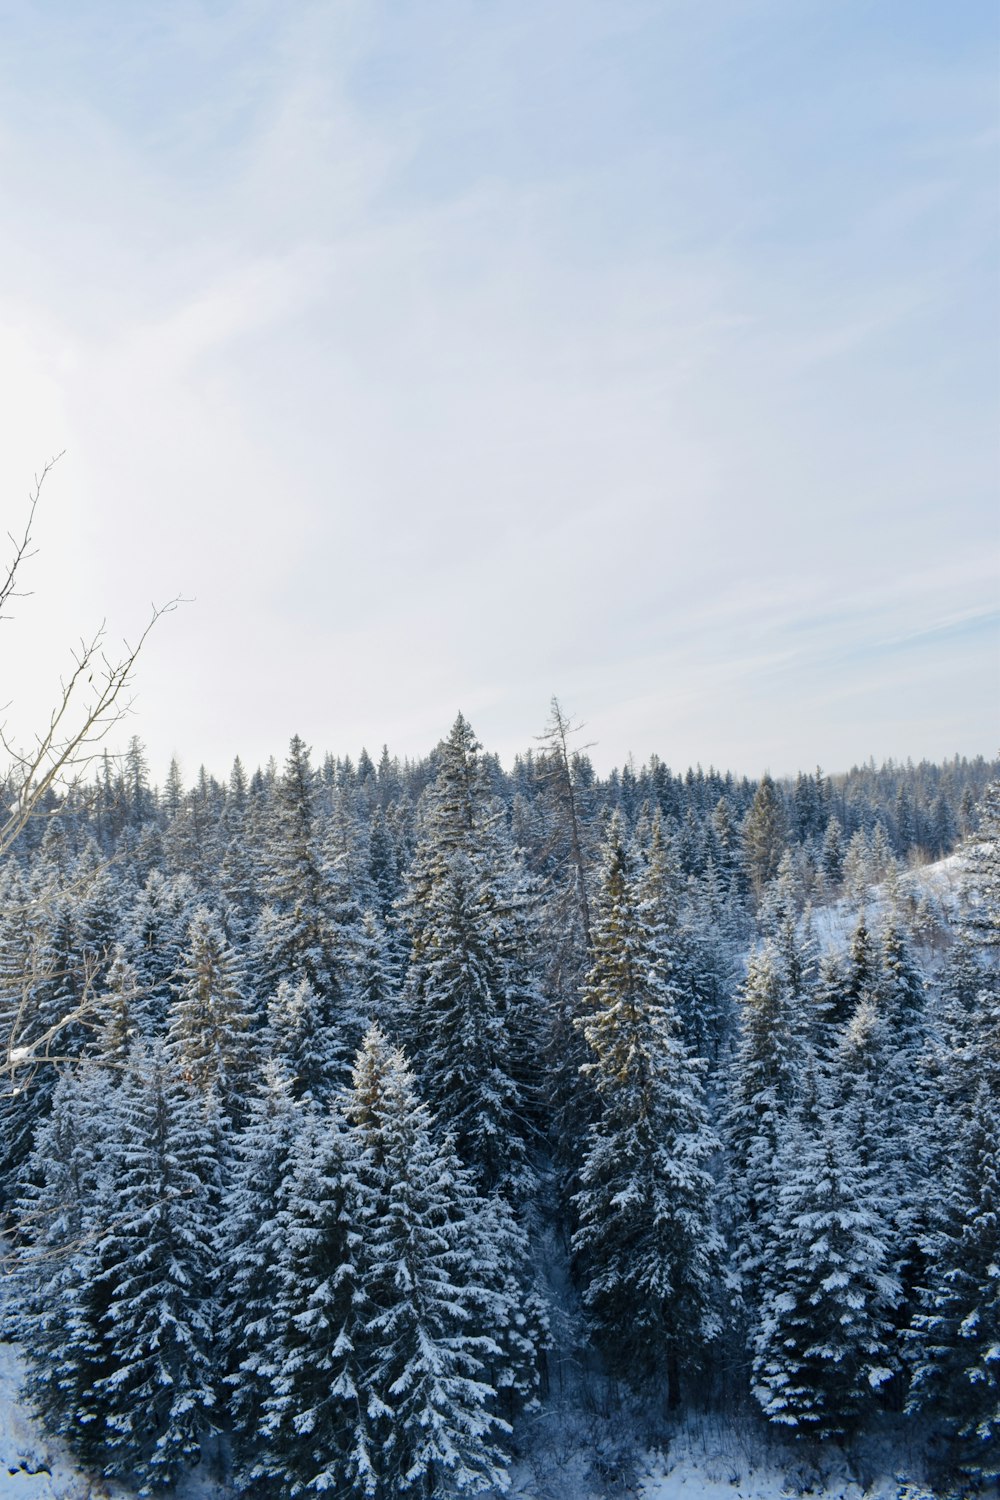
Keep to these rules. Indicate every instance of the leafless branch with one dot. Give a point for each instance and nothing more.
(23, 548)
(92, 700)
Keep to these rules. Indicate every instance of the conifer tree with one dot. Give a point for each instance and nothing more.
(154, 1261)
(647, 1252)
(209, 1036)
(298, 933)
(823, 1337)
(429, 1335)
(832, 855)
(469, 1001)
(154, 935)
(315, 1422)
(118, 1011)
(956, 1332)
(59, 1303)
(981, 885)
(254, 1233)
(300, 1042)
(766, 1078)
(764, 834)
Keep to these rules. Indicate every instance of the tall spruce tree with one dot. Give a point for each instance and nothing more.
(209, 1034)
(253, 1230)
(981, 885)
(956, 1331)
(155, 1264)
(470, 1002)
(314, 1427)
(298, 934)
(429, 1335)
(823, 1340)
(60, 1304)
(766, 1077)
(647, 1253)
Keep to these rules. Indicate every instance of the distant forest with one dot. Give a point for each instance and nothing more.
(352, 1107)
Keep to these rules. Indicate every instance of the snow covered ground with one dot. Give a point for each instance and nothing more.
(34, 1467)
(30, 1466)
(939, 883)
(581, 1458)
(692, 1473)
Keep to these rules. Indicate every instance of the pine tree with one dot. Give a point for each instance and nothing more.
(956, 1333)
(981, 884)
(832, 856)
(154, 935)
(764, 834)
(766, 1080)
(823, 1337)
(59, 1303)
(209, 1036)
(647, 1252)
(118, 1011)
(896, 993)
(254, 1233)
(300, 1042)
(469, 1000)
(298, 934)
(429, 1336)
(155, 1264)
(314, 1427)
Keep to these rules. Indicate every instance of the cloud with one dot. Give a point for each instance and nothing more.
(541, 350)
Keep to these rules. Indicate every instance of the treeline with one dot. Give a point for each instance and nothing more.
(291, 1059)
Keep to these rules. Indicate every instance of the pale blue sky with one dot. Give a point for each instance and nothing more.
(451, 355)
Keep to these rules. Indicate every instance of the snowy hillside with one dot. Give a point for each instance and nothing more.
(935, 885)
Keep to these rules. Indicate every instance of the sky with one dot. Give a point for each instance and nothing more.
(451, 356)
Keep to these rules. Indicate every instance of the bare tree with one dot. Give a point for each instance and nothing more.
(92, 700)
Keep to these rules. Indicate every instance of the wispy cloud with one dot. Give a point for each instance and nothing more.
(641, 353)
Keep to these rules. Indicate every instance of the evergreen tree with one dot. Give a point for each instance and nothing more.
(823, 1337)
(254, 1235)
(956, 1333)
(300, 1042)
(429, 1336)
(766, 1080)
(209, 1036)
(59, 1302)
(647, 1252)
(981, 884)
(315, 1416)
(469, 1000)
(119, 1010)
(154, 1263)
(154, 935)
(764, 835)
(832, 855)
(298, 935)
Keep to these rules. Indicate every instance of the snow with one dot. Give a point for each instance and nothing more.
(34, 1466)
(707, 1460)
(689, 1479)
(29, 1466)
(713, 1460)
(833, 925)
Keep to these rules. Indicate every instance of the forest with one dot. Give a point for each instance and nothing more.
(354, 1109)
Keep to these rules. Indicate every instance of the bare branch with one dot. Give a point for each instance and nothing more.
(22, 548)
(77, 726)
